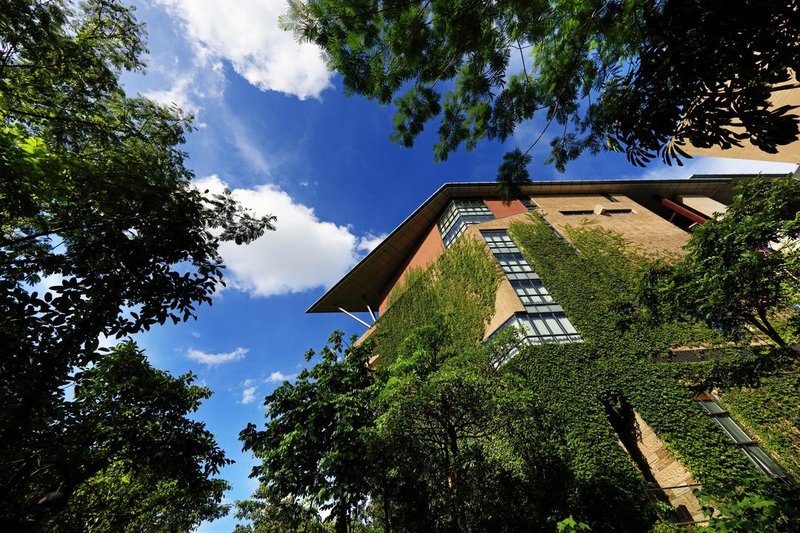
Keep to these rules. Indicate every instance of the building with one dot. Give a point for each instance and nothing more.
(655, 216)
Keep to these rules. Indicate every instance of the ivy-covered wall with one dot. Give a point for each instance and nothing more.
(594, 282)
(594, 279)
(459, 287)
(771, 411)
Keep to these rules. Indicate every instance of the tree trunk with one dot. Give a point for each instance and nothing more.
(341, 518)
(763, 325)
(386, 519)
(457, 477)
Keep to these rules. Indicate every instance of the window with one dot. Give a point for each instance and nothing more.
(531, 292)
(741, 439)
(529, 204)
(577, 212)
(544, 321)
(587, 212)
(610, 198)
(459, 215)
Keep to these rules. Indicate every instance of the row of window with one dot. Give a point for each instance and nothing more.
(459, 215)
(586, 212)
(544, 322)
(544, 328)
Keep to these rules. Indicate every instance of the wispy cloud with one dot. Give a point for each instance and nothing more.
(179, 94)
(246, 33)
(213, 359)
(248, 395)
(245, 141)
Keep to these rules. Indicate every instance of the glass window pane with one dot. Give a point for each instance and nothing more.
(527, 328)
(764, 461)
(732, 429)
(567, 325)
(553, 325)
(711, 407)
(538, 323)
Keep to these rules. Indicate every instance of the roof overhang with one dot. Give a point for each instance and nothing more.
(365, 283)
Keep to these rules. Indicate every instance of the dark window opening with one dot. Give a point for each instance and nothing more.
(577, 212)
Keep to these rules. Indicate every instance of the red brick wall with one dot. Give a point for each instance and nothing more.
(500, 209)
(429, 248)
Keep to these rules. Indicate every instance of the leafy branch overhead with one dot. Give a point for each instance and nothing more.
(742, 268)
(97, 200)
(636, 76)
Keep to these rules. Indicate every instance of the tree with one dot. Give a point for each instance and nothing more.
(313, 446)
(643, 77)
(741, 267)
(95, 194)
(439, 441)
(266, 516)
(468, 437)
(123, 456)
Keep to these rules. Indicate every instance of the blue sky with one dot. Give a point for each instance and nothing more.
(274, 126)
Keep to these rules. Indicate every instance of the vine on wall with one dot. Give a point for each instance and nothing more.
(460, 287)
(596, 286)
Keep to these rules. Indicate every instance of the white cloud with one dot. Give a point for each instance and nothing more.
(246, 33)
(280, 377)
(368, 242)
(180, 94)
(305, 252)
(248, 395)
(212, 359)
(715, 165)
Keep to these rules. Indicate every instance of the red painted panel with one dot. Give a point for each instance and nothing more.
(688, 213)
(500, 209)
(426, 252)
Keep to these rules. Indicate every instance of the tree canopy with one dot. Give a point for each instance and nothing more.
(627, 75)
(742, 269)
(122, 455)
(440, 441)
(313, 445)
(101, 230)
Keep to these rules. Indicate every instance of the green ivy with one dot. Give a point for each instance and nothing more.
(460, 287)
(595, 281)
(771, 412)
(594, 277)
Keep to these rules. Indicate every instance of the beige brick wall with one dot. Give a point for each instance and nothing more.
(704, 204)
(668, 471)
(643, 228)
